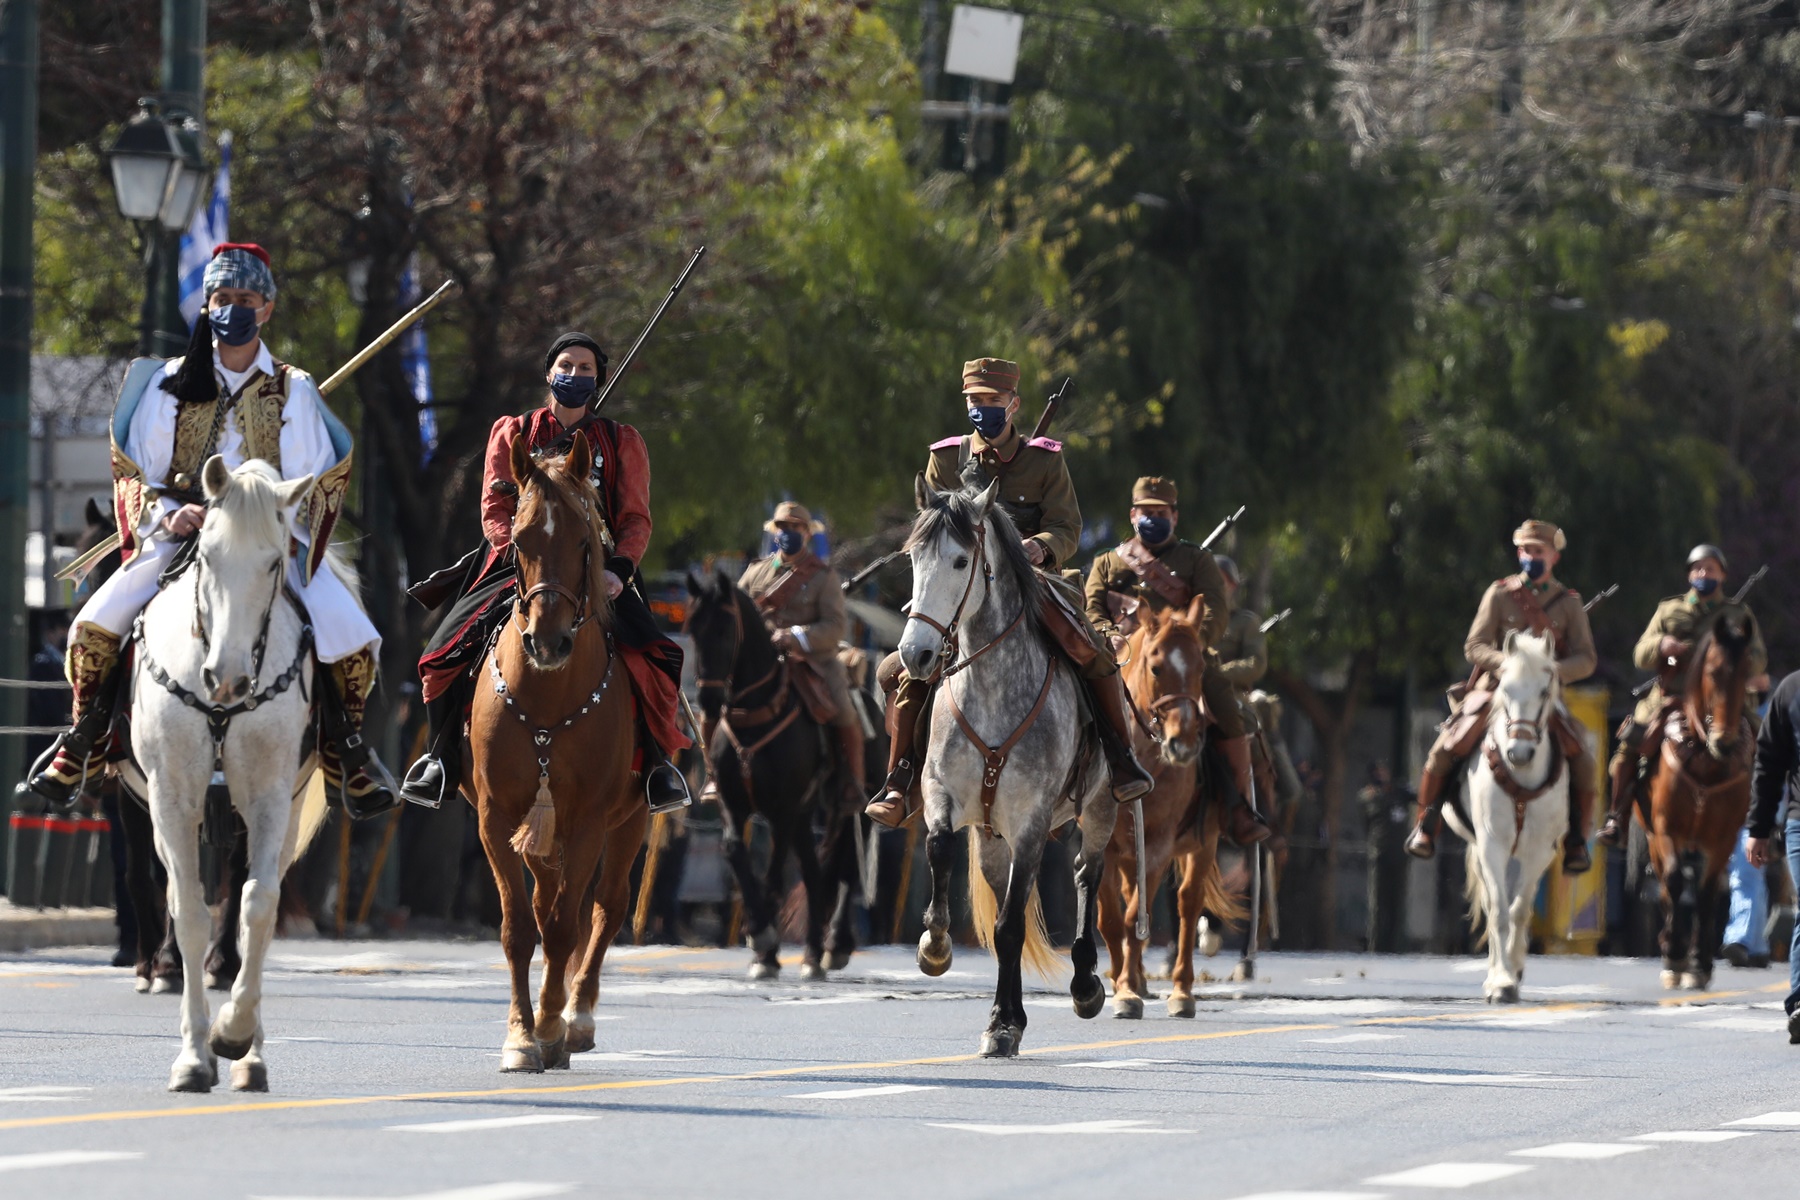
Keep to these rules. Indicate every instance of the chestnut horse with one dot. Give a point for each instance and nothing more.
(549, 762)
(1699, 798)
(1167, 657)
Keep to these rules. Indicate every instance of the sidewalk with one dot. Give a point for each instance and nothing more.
(34, 929)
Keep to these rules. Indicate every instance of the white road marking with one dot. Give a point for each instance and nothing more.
(1345, 1039)
(1694, 1135)
(862, 998)
(1114, 1064)
(1534, 1020)
(1419, 1077)
(1745, 1024)
(1581, 1150)
(1314, 1196)
(890, 1089)
(32, 1095)
(1322, 1007)
(39, 1089)
(434, 985)
(1570, 989)
(485, 1191)
(1449, 1175)
(480, 1123)
(1781, 1120)
(1470, 967)
(634, 1056)
(1108, 1126)
(62, 1158)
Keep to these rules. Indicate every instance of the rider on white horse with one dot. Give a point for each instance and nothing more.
(227, 396)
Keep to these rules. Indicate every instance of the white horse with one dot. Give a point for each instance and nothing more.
(223, 673)
(1515, 794)
(974, 614)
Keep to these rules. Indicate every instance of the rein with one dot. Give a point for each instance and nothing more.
(1525, 731)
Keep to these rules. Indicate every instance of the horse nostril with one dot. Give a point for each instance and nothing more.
(209, 679)
(565, 645)
(530, 644)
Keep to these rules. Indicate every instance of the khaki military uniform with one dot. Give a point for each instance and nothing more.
(1685, 619)
(1244, 651)
(1035, 489)
(812, 608)
(1111, 578)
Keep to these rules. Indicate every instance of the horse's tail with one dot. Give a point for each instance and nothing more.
(1476, 893)
(1217, 900)
(313, 811)
(1038, 956)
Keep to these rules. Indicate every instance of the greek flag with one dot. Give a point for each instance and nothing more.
(415, 361)
(210, 227)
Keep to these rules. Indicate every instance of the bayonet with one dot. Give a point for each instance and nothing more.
(1589, 606)
(1222, 528)
(1275, 620)
(1750, 583)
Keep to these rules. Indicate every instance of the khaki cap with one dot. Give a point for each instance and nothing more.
(789, 512)
(990, 376)
(1540, 531)
(1153, 489)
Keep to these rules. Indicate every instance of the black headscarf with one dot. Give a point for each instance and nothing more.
(573, 338)
(193, 381)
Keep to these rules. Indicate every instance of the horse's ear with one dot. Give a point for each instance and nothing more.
(1149, 618)
(922, 493)
(521, 459)
(723, 581)
(1196, 612)
(985, 501)
(693, 584)
(580, 461)
(215, 477)
(291, 491)
(1506, 644)
(93, 514)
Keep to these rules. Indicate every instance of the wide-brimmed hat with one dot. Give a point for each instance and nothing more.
(1153, 489)
(990, 376)
(1540, 531)
(789, 512)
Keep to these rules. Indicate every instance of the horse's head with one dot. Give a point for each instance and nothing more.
(240, 557)
(559, 538)
(1170, 653)
(962, 546)
(716, 629)
(1717, 681)
(1525, 695)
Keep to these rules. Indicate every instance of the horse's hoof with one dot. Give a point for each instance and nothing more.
(1211, 941)
(1693, 981)
(1507, 995)
(193, 1077)
(219, 981)
(934, 953)
(836, 960)
(767, 940)
(1181, 1005)
(249, 1077)
(522, 1058)
(764, 970)
(1127, 1007)
(1002, 1042)
(1243, 972)
(811, 972)
(141, 985)
(555, 1055)
(1089, 995)
(162, 985)
(1670, 979)
(580, 1037)
(224, 1047)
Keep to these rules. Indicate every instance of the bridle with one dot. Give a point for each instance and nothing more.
(773, 717)
(952, 632)
(579, 601)
(1532, 731)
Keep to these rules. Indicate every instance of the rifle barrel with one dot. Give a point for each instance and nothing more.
(624, 363)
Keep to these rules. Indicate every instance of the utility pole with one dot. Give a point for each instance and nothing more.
(183, 93)
(18, 163)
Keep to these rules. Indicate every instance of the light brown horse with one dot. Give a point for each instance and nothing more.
(1699, 797)
(1167, 658)
(550, 762)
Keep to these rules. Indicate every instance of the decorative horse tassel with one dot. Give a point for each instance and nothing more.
(537, 831)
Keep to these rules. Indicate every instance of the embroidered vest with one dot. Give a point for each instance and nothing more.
(258, 411)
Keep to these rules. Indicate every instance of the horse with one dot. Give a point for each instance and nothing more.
(203, 702)
(1513, 810)
(768, 756)
(1007, 753)
(1700, 797)
(1166, 657)
(548, 762)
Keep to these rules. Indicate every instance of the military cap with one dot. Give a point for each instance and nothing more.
(1153, 489)
(1703, 550)
(990, 376)
(788, 512)
(1540, 531)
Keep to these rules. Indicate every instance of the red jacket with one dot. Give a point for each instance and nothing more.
(625, 472)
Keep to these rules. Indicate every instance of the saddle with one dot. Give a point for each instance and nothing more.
(812, 689)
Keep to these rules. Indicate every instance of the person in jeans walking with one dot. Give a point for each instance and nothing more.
(1776, 766)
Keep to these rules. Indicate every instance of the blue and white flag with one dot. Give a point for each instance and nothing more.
(211, 226)
(415, 361)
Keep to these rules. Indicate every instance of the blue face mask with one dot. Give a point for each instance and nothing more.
(1704, 586)
(235, 324)
(989, 419)
(1154, 531)
(573, 391)
(1532, 568)
(790, 541)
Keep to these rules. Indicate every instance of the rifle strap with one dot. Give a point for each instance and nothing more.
(776, 598)
(1533, 608)
(1154, 572)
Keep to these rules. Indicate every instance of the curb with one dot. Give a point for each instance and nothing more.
(37, 929)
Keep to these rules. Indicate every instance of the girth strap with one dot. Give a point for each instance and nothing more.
(995, 756)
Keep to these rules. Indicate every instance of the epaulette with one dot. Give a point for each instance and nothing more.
(1046, 443)
(948, 443)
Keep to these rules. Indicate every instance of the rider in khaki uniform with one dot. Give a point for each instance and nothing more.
(1159, 570)
(1535, 600)
(1679, 623)
(1036, 493)
(802, 602)
(1244, 648)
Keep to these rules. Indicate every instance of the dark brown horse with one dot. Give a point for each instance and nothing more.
(1699, 797)
(549, 763)
(1167, 660)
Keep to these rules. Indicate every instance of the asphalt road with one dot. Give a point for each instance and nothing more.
(1352, 1076)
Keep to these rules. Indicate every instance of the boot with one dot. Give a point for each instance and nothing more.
(1575, 851)
(343, 755)
(665, 789)
(436, 774)
(709, 791)
(889, 808)
(1244, 825)
(79, 755)
(1129, 779)
(1422, 841)
(850, 754)
(1624, 773)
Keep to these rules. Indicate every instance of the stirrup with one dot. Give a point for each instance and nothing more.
(1612, 831)
(424, 783)
(1421, 844)
(1576, 860)
(664, 797)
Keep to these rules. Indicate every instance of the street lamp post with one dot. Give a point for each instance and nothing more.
(159, 177)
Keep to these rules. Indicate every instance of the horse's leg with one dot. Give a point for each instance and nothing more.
(1085, 988)
(757, 933)
(518, 935)
(1108, 915)
(237, 1031)
(612, 898)
(812, 878)
(940, 854)
(140, 885)
(1490, 862)
(842, 873)
(178, 843)
(1011, 873)
(767, 962)
(1706, 931)
(1668, 878)
(224, 957)
(1187, 923)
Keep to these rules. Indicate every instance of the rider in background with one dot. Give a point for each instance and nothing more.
(227, 396)
(1534, 600)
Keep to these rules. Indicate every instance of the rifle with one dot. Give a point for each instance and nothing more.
(1275, 620)
(111, 541)
(1049, 414)
(1220, 530)
(1750, 583)
(618, 372)
(1666, 672)
(857, 579)
(1589, 606)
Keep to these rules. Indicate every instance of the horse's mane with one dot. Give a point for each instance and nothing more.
(251, 505)
(955, 515)
(1728, 630)
(579, 492)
